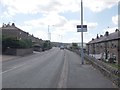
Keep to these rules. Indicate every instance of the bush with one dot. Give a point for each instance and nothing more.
(46, 45)
(10, 42)
(74, 46)
(25, 43)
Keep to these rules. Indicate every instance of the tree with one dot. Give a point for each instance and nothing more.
(46, 45)
(74, 46)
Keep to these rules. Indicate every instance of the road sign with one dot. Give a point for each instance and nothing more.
(79, 28)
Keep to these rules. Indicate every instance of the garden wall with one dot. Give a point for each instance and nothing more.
(19, 52)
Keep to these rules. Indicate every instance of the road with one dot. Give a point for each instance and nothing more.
(51, 69)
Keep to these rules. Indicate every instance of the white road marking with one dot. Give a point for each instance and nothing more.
(12, 68)
(63, 77)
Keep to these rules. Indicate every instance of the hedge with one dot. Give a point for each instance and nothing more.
(11, 42)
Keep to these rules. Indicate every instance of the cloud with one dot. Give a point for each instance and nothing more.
(24, 6)
(76, 37)
(99, 5)
(26, 28)
(41, 34)
(50, 10)
(115, 19)
(0, 24)
(91, 25)
(51, 19)
(5, 16)
(71, 25)
(61, 27)
(14, 7)
(111, 29)
(38, 6)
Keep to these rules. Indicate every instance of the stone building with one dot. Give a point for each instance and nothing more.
(106, 46)
(13, 31)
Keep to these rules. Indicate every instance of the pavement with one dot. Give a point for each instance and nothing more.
(85, 76)
(54, 68)
(11, 57)
(8, 57)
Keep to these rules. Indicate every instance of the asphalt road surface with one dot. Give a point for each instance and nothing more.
(51, 69)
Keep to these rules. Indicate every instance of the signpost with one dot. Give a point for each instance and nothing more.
(82, 28)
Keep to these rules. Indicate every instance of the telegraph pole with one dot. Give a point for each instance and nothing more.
(82, 54)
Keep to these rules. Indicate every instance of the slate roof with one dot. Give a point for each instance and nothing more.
(111, 36)
(10, 27)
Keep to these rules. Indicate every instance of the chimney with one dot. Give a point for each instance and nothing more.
(8, 25)
(92, 39)
(97, 36)
(116, 30)
(106, 33)
(101, 35)
(3, 25)
(13, 25)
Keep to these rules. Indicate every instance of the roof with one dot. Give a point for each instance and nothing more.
(12, 28)
(111, 36)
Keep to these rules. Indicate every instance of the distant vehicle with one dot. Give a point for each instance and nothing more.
(62, 47)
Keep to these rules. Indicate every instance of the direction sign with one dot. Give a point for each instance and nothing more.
(80, 30)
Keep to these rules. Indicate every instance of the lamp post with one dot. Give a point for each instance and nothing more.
(49, 34)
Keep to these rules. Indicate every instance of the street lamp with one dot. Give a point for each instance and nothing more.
(49, 34)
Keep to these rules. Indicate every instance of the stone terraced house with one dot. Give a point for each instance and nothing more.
(105, 47)
(13, 31)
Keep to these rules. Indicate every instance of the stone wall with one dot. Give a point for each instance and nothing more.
(18, 52)
(22, 52)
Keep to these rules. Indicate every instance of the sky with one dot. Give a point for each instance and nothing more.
(62, 17)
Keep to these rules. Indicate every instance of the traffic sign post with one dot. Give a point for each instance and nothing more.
(82, 28)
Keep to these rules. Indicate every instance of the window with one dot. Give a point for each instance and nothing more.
(112, 44)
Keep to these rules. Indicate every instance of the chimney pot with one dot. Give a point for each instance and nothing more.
(13, 24)
(3, 25)
(97, 36)
(107, 33)
(101, 35)
(92, 39)
(116, 30)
